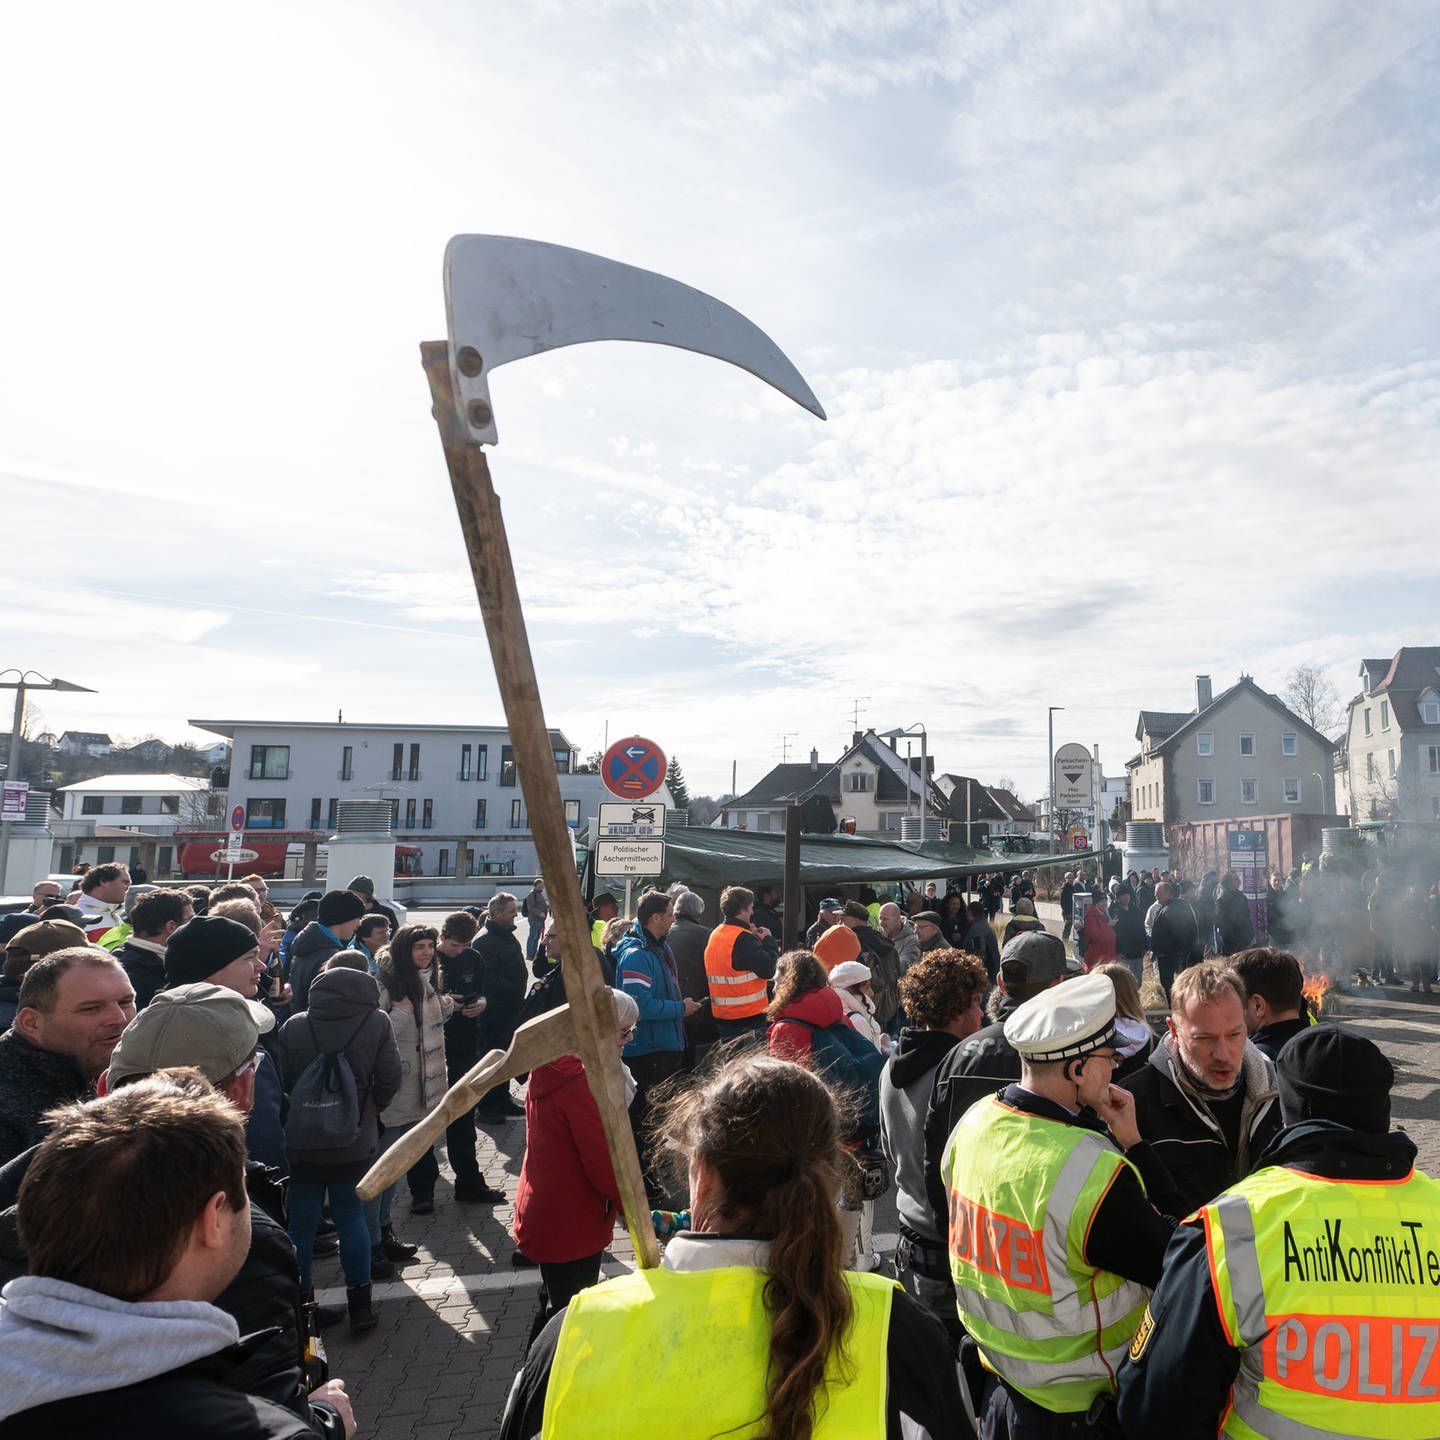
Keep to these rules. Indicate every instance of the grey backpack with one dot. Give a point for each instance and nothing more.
(325, 1102)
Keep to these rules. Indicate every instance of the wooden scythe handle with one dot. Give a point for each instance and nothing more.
(591, 1009)
(537, 1042)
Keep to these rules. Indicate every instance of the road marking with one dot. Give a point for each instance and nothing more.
(437, 1287)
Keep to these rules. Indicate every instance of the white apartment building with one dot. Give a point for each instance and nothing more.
(453, 790)
(132, 819)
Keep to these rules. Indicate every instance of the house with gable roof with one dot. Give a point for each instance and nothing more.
(1240, 755)
(1392, 737)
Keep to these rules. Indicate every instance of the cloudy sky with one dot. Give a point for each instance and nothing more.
(1124, 316)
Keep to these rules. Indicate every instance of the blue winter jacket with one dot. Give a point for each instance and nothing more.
(645, 971)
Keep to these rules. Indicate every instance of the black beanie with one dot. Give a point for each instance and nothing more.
(338, 906)
(1326, 1073)
(204, 945)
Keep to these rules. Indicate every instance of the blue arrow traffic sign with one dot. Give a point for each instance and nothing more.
(633, 768)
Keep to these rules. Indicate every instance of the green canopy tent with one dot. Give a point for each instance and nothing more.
(707, 860)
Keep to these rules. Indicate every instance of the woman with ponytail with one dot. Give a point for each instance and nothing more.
(750, 1329)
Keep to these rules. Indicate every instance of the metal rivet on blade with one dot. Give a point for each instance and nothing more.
(468, 362)
(479, 414)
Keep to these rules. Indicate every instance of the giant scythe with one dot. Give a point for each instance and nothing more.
(506, 298)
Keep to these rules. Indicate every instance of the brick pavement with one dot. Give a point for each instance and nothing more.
(454, 1323)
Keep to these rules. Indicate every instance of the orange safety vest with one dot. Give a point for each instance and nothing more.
(734, 994)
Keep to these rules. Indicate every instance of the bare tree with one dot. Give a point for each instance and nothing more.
(1310, 693)
(1007, 782)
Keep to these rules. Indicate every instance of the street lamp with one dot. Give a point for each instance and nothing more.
(895, 734)
(1050, 768)
(22, 682)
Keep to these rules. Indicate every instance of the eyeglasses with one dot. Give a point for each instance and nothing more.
(249, 1067)
(627, 1035)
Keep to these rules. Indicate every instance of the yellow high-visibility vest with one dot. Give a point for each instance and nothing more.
(686, 1355)
(1023, 1190)
(1330, 1290)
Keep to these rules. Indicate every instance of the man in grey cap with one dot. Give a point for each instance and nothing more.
(1053, 1244)
(211, 1029)
(830, 912)
(981, 1065)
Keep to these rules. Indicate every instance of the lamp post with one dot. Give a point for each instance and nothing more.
(22, 682)
(1050, 769)
(916, 728)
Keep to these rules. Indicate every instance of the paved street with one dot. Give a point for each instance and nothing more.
(453, 1324)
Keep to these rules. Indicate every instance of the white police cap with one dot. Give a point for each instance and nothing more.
(1065, 1022)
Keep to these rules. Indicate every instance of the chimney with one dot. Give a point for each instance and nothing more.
(856, 737)
(1203, 697)
(814, 759)
(893, 744)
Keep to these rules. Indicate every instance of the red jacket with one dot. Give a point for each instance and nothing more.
(567, 1201)
(1099, 935)
(793, 1042)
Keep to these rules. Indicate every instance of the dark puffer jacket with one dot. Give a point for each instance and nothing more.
(309, 950)
(32, 1081)
(345, 1014)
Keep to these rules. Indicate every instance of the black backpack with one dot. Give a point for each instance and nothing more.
(325, 1103)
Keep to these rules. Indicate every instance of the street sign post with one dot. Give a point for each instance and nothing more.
(15, 794)
(629, 857)
(1073, 778)
(633, 768)
(638, 822)
(233, 857)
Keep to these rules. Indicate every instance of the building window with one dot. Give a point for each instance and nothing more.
(394, 813)
(1370, 766)
(444, 865)
(480, 814)
(92, 804)
(1390, 755)
(1205, 792)
(572, 814)
(1367, 719)
(1433, 751)
(1292, 791)
(857, 782)
(1289, 743)
(169, 804)
(1384, 714)
(482, 761)
(347, 763)
(410, 813)
(1205, 742)
(104, 854)
(1249, 791)
(427, 815)
(332, 816)
(397, 763)
(414, 762)
(1247, 744)
(464, 762)
(507, 765)
(269, 762)
(762, 819)
(1430, 712)
(266, 814)
(315, 813)
(214, 804)
(165, 859)
(562, 761)
(130, 804)
(514, 814)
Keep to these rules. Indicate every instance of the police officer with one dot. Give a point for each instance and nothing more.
(1053, 1244)
(1303, 1302)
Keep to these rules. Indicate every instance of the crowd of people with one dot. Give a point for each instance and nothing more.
(1111, 1222)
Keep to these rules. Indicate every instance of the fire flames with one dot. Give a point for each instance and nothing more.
(1316, 989)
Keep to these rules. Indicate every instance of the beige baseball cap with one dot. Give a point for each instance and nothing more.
(206, 1026)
